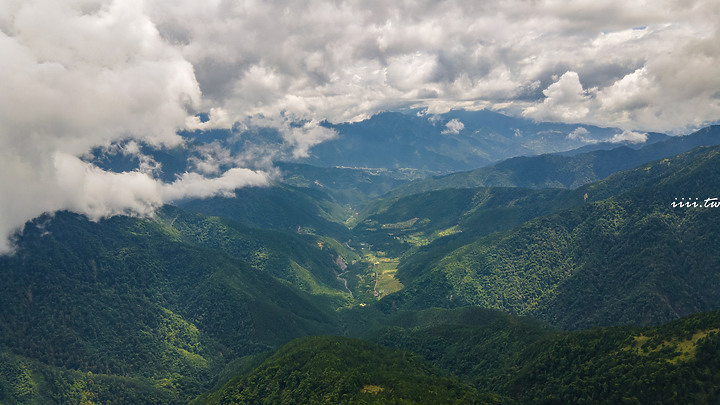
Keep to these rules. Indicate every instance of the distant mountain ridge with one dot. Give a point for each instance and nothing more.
(564, 170)
(457, 140)
(437, 144)
(651, 138)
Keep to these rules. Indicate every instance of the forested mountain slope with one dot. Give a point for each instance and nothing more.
(138, 299)
(628, 259)
(523, 360)
(321, 370)
(280, 207)
(157, 310)
(397, 224)
(485, 356)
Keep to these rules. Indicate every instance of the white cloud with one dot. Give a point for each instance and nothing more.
(74, 80)
(565, 101)
(578, 133)
(194, 185)
(628, 96)
(71, 184)
(345, 61)
(316, 59)
(301, 139)
(454, 126)
(84, 74)
(77, 186)
(629, 136)
(218, 118)
(581, 134)
(432, 118)
(210, 157)
(147, 163)
(83, 188)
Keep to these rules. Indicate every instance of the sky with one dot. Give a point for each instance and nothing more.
(81, 74)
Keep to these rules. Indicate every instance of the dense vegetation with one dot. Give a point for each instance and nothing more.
(520, 359)
(505, 358)
(130, 298)
(24, 381)
(348, 186)
(305, 260)
(282, 207)
(627, 259)
(675, 363)
(398, 224)
(321, 370)
(186, 306)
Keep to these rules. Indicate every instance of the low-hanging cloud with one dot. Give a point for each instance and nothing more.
(194, 185)
(454, 126)
(581, 134)
(629, 136)
(301, 139)
(84, 74)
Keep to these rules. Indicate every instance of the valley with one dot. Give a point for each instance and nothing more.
(354, 285)
(351, 202)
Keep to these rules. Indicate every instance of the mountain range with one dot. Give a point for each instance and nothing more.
(564, 170)
(457, 140)
(404, 146)
(582, 276)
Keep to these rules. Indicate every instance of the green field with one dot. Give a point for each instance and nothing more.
(375, 276)
(387, 283)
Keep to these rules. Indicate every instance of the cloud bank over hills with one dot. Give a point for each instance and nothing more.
(637, 64)
(80, 74)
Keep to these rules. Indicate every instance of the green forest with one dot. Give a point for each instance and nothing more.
(583, 285)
